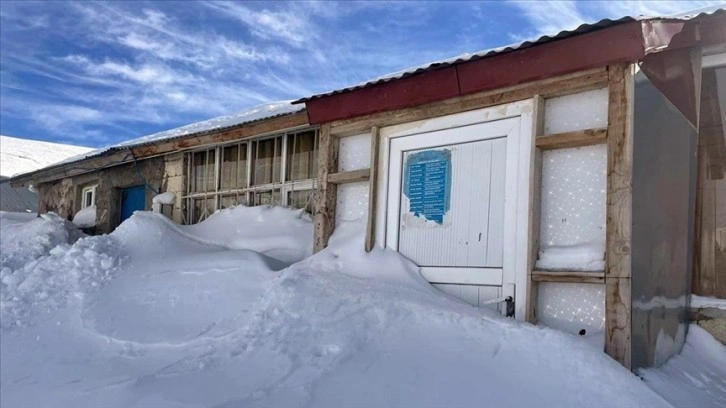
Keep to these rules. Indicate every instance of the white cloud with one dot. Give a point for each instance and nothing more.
(286, 25)
(550, 17)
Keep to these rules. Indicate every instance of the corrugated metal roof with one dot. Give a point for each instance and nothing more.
(219, 124)
(582, 29)
(18, 199)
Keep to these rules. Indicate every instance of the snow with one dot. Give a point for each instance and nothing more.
(579, 257)
(26, 237)
(259, 112)
(694, 378)
(157, 314)
(24, 155)
(273, 231)
(86, 217)
(703, 302)
(164, 198)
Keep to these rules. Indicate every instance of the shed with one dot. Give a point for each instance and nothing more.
(561, 181)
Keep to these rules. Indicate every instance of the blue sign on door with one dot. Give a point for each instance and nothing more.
(132, 199)
(427, 184)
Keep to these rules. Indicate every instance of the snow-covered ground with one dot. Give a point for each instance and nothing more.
(24, 155)
(234, 312)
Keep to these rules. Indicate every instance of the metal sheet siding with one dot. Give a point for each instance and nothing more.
(664, 153)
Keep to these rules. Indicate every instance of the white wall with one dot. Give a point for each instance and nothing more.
(573, 212)
(354, 153)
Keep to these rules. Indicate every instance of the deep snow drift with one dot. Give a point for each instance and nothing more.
(158, 315)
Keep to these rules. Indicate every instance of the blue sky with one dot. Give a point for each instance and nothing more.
(98, 73)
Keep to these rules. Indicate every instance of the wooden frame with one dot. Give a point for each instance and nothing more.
(619, 213)
(578, 138)
(352, 176)
(370, 239)
(535, 180)
(568, 276)
(324, 215)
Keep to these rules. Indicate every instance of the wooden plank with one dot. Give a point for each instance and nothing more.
(619, 214)
(349, 176)
(324, 216)
(619, 170)
(618, 320)
(568, 276)
(370, 239)
(567, 84)
(578, 138)
(535, 198)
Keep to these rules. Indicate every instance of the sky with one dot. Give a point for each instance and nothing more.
(98, 73)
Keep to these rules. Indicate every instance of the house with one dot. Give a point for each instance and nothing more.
(264, 155)
(566, 174)
(574, 181)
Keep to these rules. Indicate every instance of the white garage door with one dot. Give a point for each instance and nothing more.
(447, 201)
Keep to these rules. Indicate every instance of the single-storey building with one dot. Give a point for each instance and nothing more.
(264, 155)
(575, 181)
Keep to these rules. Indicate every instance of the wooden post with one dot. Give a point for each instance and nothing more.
(535, 204)
(619, 214)
(372, 191)
(324, 217)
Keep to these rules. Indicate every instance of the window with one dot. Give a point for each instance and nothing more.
(267, 156)
(302, 153)
(273, 170)
(88, 196)
(203, 171)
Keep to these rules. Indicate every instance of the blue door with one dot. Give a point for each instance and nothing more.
(132, 199)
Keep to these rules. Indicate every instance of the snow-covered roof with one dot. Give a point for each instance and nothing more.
(582, 29)
(25, 155)
(254, 114)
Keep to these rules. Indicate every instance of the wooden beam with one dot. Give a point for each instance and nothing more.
(568, 276)
(619, 171)
(349, 176)
(578, 138)
(619, 214)
(372, 191)
(547, 88)
(618, 320)
(324, 216)
(535, 198)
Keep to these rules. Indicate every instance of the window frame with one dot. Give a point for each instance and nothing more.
(88, 189)
(246, 194)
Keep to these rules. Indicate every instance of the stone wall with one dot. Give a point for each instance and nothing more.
(175, 182)
(64, 196)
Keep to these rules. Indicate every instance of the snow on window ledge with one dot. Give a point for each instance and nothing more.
(164, 198)
(86, 217)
